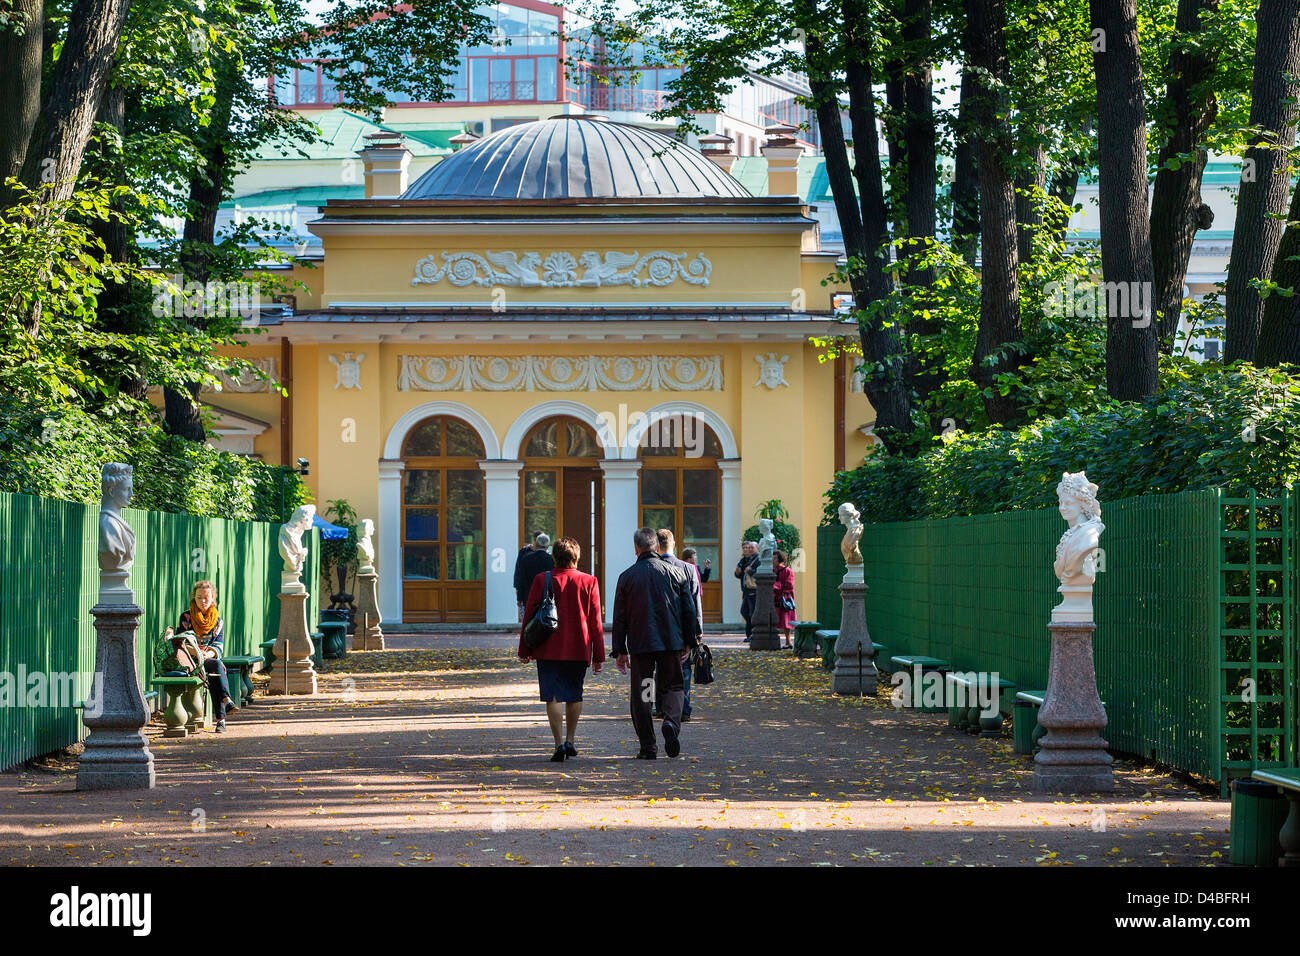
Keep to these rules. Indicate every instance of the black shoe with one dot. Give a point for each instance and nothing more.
(221, 726)
(686, 718)
(229, 705)
(647, 755)
(672, 746)
(558, 756)
(569, 750)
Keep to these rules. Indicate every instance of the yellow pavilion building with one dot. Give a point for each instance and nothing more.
(571, 325)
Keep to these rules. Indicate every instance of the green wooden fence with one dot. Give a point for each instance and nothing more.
(49, 580)
(1196, 643)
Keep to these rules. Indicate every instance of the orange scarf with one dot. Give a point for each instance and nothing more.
(203, 621)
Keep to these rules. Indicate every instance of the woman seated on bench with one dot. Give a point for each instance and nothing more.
(202, 618)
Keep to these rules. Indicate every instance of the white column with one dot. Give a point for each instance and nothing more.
(622, 518)
(389, 530)
(729, 550)
(501, 532)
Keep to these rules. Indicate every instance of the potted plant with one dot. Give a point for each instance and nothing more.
(787, 535)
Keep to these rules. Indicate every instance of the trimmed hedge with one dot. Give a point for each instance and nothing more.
(1211, 427)
(59, 454)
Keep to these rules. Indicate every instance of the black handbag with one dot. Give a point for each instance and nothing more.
(542, 624)
(702, 664)
(786, 603)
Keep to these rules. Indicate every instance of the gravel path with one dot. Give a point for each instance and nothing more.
(435, 752)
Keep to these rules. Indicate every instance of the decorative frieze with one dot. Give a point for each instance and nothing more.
(248, 382)
(558, 270)
(560, 373)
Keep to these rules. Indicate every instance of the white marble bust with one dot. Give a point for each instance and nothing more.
(293, 550)
(366, 547)
(852, 533)
(766, 542)
(116, 539)
(1076, 552)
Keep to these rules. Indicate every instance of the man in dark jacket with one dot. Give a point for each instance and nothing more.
(536, 560)
(655, 625)
(524, 551)
(667, 544)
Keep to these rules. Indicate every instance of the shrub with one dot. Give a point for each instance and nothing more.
(1209, 427)
(59, 454)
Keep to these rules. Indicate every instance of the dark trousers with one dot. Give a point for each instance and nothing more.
(656, 676)
(747, 600)
(218, 686)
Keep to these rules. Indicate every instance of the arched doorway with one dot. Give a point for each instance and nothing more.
(681, 489)
(561, 487)
(442, 523)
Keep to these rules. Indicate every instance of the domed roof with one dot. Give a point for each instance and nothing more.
(574, 157)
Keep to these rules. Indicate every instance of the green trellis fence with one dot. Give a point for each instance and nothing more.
(1196, 642)
(49, 580)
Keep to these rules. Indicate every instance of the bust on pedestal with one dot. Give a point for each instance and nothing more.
(293, 671)
(855, 667)
(765, 635)
(116, 755)
(368, 636)
(1073, 757)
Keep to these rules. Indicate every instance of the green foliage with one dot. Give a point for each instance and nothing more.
(339, 553)
(1208, 427)
(59, 454)
(787, 535)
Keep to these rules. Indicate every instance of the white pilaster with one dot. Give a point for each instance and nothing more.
(729, 551)
(389, 531)
(501, 532)
(622, 518)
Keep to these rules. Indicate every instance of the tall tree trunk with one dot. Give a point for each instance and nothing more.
(965, 179)
(207, 187)
(1177, 210)
(881, 344)
(21, 43)
(81, 76)
(1132, 370)
(1279, 336)
(1031, 182)
(1065, 182)
(1265, 180)
(115, 310)
(996, 344)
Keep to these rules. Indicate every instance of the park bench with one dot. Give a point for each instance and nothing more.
(805, 638)
(911, 663)
(334, 639)
(183, 712)
(1288, 781)
(827, 639)
(150, 698)
(969, 716)
(240, 669)
(1025, 726)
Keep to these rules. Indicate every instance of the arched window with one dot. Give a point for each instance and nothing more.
(442, 522)
(562, 487)
(681, 490)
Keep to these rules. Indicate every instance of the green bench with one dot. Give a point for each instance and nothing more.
(827, 640)
(805, 638)
(1025, 726)
(240, 669)
(183, 713)
(268, 652)
(968, 716)
(911, 663)
(1288, 781)
(333, 642)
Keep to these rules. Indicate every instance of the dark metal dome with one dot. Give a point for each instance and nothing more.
(574, 157)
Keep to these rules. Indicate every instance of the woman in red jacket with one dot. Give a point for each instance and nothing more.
(580, 639)
(783, 587)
